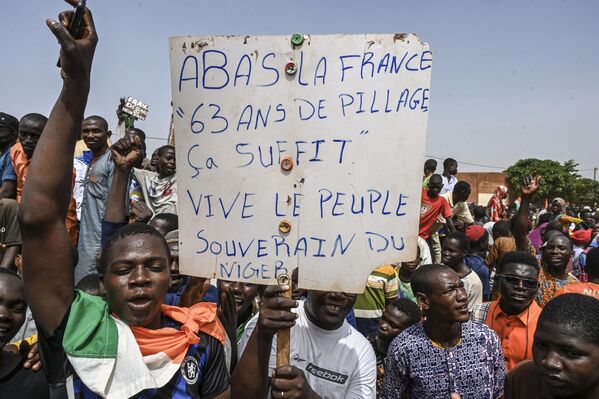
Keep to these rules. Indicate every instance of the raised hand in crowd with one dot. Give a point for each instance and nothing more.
(76, 55)
(531, 185)
(140, 213)
(126, 153)
(520, 227)
(46, 196)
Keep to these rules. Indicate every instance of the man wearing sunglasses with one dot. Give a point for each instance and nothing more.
(514, 315)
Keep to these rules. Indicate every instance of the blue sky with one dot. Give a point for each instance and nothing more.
(510, 80)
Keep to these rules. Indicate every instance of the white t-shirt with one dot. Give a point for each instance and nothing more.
(448, 184)
(79, 187)
(489, 227)
(337, 363)
(474, 288)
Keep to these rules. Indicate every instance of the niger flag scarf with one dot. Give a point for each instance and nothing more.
(117, 361)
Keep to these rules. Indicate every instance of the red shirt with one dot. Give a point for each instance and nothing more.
(430, 209)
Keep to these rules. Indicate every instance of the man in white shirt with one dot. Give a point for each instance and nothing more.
(328, 358)
(450, 169)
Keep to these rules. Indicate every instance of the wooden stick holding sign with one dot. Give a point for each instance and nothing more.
(283, 334)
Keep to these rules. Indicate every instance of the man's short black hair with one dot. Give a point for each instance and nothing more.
(98, 118)
(35, 118)
(449, 161)
(520, 257)
(577, 311)
(132, 229)
(165, 148)
(436, 176)
(460, 238)
(562, 235)
(592, 266)
(501, 228)
(421, 279)
(171, 220)
(10, 272)
(409, 308)
(430, 164)
(554, 226)
(462, 187)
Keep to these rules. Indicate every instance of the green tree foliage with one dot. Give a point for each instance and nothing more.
(558, 180)
(586, 192)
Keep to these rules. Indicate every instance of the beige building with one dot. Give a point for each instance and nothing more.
(483, 184)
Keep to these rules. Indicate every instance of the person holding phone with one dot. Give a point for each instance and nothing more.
(126, 343)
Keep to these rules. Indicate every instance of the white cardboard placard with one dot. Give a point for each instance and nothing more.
(353, 119)
(136, 108)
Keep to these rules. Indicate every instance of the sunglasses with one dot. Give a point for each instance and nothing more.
(515, 281)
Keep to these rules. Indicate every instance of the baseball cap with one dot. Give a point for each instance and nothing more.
(9, 121)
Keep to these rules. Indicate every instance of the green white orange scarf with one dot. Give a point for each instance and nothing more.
(117, 361)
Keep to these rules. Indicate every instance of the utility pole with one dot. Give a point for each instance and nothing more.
(595, 174)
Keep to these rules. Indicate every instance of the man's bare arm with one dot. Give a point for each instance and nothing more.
(47, 251)
(125, 154)
(520, 232)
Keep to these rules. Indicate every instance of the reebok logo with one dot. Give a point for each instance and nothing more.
(326, 374)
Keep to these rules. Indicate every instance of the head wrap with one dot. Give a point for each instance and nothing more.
(560, 201)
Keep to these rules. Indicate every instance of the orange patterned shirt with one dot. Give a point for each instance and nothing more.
(549, 285)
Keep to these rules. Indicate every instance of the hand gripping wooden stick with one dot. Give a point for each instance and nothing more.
(283, 336)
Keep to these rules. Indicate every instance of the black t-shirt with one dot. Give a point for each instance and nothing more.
(25, 384)
(524, 382)
(203, 372)
(380, 363)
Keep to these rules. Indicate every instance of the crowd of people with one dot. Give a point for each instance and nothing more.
(500, 301)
